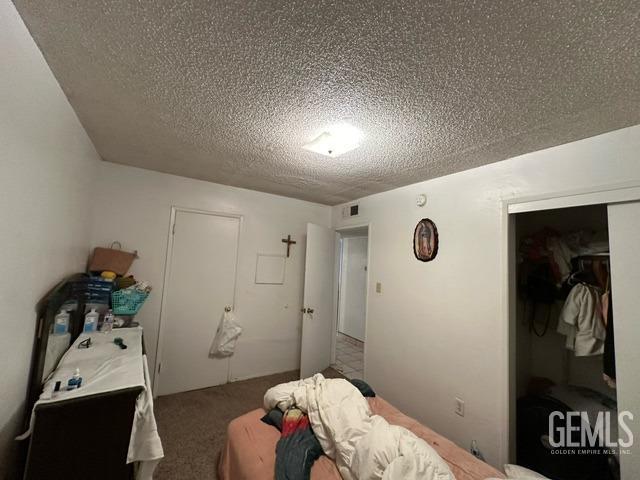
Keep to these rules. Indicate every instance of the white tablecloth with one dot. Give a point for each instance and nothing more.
(56, 346)
(105, 367)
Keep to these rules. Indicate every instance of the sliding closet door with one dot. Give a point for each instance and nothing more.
(624, 240)
(201, 284)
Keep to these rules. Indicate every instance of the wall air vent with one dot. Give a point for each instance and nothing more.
(350, 211)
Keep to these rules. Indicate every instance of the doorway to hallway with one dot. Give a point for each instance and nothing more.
(353, 256)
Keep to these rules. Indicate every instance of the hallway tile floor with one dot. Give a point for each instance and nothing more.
(349, 356)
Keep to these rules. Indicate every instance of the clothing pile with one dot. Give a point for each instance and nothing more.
(363, 445)
(298, 447)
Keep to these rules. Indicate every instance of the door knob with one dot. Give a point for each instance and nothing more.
(228, 309)
(307, 310)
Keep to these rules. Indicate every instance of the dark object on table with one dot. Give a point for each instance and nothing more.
(119, 342)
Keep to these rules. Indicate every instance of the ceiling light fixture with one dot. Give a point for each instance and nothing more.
(335, 140)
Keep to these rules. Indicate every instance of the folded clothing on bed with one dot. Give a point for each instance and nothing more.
(363, 445)
(298, 446)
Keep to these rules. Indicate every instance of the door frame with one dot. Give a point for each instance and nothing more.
(336, 289)
(604, 194)
(167, 275)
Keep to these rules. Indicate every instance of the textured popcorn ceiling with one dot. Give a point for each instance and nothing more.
(229, 91)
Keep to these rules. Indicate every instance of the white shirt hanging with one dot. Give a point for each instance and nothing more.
(581, 321)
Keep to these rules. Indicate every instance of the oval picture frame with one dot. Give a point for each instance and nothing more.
(425, 240)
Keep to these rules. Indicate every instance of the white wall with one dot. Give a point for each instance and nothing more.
(436, 332)
(47, 168)
(133, 206)
(353, 287)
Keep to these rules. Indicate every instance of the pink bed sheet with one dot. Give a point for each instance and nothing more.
(249, 453)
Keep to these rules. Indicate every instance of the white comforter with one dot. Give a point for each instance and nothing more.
(364, 446)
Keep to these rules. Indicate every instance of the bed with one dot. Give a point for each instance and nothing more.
(249, 452)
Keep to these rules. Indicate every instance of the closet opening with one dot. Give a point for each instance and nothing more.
(563, 341)
(353, 255)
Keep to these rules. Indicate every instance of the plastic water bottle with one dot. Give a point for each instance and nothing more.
(107, 323)
(61, 323)
(91, 321)
(75, 381)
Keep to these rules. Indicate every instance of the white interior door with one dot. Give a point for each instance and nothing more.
(202, 277)
(624, 232)
(317, 321)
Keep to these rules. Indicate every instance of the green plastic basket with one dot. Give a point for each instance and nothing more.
(127, 301)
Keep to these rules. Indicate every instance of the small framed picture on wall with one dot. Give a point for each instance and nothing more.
(425, 240)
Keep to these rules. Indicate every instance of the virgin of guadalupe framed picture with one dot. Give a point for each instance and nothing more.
(425, 240)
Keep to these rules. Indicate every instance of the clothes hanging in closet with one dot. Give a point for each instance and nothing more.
(581, 321)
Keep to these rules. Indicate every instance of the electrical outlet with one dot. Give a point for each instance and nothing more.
(378, 287)
(459, 408)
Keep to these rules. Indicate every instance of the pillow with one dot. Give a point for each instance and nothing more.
(521, 478)
(273, 418)
(517, 472)
(364, 387)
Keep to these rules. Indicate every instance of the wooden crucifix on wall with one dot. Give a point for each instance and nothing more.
(289, 242)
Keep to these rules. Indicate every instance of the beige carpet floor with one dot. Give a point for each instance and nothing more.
(193, 425)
